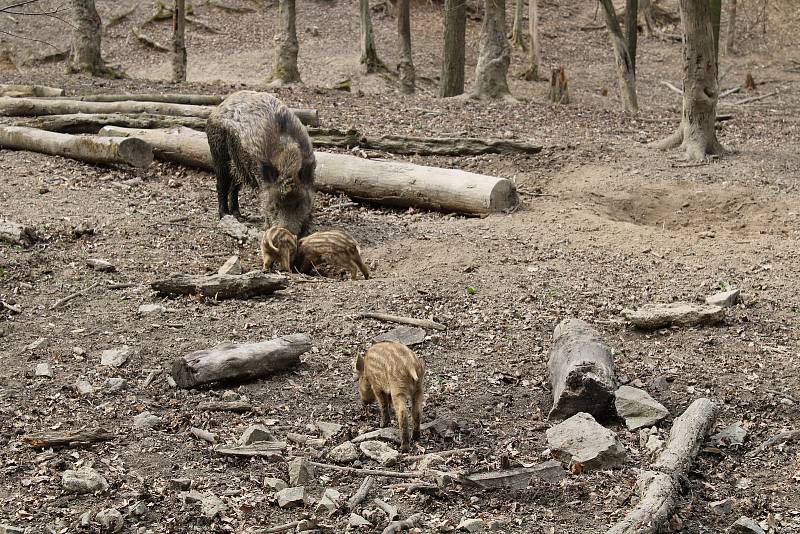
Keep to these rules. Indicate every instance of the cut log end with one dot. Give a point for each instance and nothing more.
(135, 152)
(503, 197)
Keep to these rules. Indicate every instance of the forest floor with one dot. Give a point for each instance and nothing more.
(608, 223)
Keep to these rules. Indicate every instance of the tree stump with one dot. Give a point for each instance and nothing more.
(559, 86)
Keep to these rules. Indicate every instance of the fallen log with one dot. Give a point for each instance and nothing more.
(173, 98)
(260, 449)
(19, 90)
(391, 183)
(581, 369)
(659, 488)
(239, 361)
(148, 41)
(92, 123)
(42, 440)
(406, 524)
(422, 323)
(361, 494)
(130, 151)
(222, 286)
(225, 406)
(17, 234)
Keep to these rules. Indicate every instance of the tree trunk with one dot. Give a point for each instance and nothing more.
(731, 35)
(494, 54)
(133, 152)
(86, 32)
(716, 17)
(517, 33)
(285, 69)
(179, 42)
(559, 87)
(696, 134)
(646, 9)
(406, 65)
(625, 73)
(455, 27)
(369, 54)
(632, 30)
(535, 55)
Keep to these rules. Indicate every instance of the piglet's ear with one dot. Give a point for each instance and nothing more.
(360, 363)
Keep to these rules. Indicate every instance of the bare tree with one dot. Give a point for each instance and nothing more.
(646, 10)
(179, 41)
(632, 29)
(87, 29)
(517, 33)
(696, 134)
(406, 65)
(626, 74)
(534, 55)
(369, 54)
(494, 54)
(285, 69)
(455, 27)
(716, 17)
(731, 35)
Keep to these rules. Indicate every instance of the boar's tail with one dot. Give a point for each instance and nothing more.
(414, 375)
(271, 246)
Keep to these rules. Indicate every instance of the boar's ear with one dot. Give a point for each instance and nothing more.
(307, 171)
(268, 173)
(359, 363)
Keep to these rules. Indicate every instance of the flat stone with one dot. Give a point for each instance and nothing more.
(356, 521)
(724, 299)
(40, 343)
(8, 529)
(549, 471)
(138, 510)
(722, 507)
(745, 525)
(290, 497)
(388, 433)
(146, 420)
(101, 265)
(43, 369)
(110, 520)
(152, 309)
(329, 501)
(471, 525)
(301, 472)
(430, 461)
(328, 429)
(181, 484)
(237, 230)
(638, 408)
(83, 480)
(254, 433)
(407, 335)
(305, 439)
(276, 484)
(380, 452)
(83, 387)
(344, 454)
(231, 266)
(580, 439)
(115, 357)
(115, 384)
(210, 505)
(655, 316)
(732, 436)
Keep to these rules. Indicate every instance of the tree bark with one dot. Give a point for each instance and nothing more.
(730, 38)
(646, 10)
(16, 90)
(716, 17)
(696, 134)
(494, 54)
(559, 87)
(382, 182)
(86, 33)
(132, 152)
(626, 76)
(239, 361)
(285, 70)
(455, 27)
(406, 65)
(167, 98)
(369, 54)
(179, 42)
(222, 286)
(535, 54)
(43, 440)
(632, 30)
(517, 33)
(32, 107)
(83, 123)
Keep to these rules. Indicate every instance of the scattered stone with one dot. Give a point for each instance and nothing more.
(388, 433)
(8, 529)
(290, 497)
(724, 299)
(407, 335)
(115, 357)
(301, 472)
(654, 444)
(101, 265)
(180, 484)
(356, 521)
(328, 429)
(429, 461)
(210, 505)
(86, 518)
(471, 525)
(580, 439)
(329, 502)
(380, 452)
(344, 454)
(745, 525)
(83, 480)
(518, 477)
(276, 484)
(138, 510)
(146, 420)
(40, 343)
(43, 369)
(231, 266)
(152, 309)
(732, 436)
(722, 507)
(110, 520)
(305, 525)
(82, 229)
(655, 316)
(17, 234)
(254, 433)
(662, 383)
(115, 384)
(637, 408)
(237, 230)
(304, 439)
(83, 387)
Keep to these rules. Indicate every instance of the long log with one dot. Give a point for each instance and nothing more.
(92, 123)
(581, 369)
(196, 100)
(33, 107)
(234, 361)
(391, 183)
(22, 90)
(42, 440)
(131, 151)
(222, 286)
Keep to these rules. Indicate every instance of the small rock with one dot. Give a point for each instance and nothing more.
(328, 429)
(8, 529)
(655, 316)
(110, 520)
(471, 525)
(745, 525)
(580, 439)
(380, 452)
(662, 383)
(86, 518)
(301, 472)
(654, 444)
(430, 461)
(210, 505)
(83, 229)
(83, 387)
(231, 266)
(724, 299)
(43, 369)
(180, 484)
(407, 335)
(83, 480)
(722, 507)
(344, 454)
(638, 408)
(138, 510)
(388, 433)
(290, 497)
(152, 309)
(146, 420)
(305, 525)
(305, 439)
(115, 384)
(732, 436)
(237, 230)
(275, 483)
(254, 433)
(40, 343)
(115, 357)
(100, 265)
(329, 501)
(356, 521)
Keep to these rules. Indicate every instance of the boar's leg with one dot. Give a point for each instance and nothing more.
(233, 201)
(402, 415)
(416, 411)
(382, 399)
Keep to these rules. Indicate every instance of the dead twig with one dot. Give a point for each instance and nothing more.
(374, 472)
(672, 88)
(279, 528)
(361, 494)
(754, 99)
(406, 524)
(422, 323)
(780, 439)
(73, 296)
